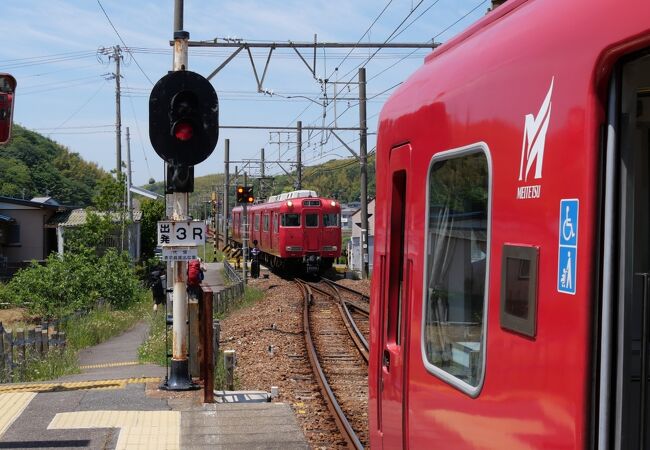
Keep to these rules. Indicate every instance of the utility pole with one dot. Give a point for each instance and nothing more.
(299, 153)
(363, 159)
(117, 56)
(226, 190)
(179, 376)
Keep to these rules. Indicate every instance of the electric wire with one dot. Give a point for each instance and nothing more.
(123, 43)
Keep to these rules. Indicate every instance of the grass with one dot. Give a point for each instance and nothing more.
(210, 254)
(104, 323)
(153, 349)
(97, 326)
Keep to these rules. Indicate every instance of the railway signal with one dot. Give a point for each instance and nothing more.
(183, 123)
(7, 90)
(245, 194)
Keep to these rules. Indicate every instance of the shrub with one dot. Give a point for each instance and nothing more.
(74, 281)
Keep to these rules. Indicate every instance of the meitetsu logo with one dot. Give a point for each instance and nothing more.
(532, 148)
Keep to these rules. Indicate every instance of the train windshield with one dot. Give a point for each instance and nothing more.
(330, 220)
(456, 264)
(311, 220)
(291, 220)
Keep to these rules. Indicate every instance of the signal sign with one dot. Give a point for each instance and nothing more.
(7, 90)
(183, 118)
(245, 194)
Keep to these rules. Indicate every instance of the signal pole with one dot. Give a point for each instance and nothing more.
(245, 235)
(179, 375)
(226, 190)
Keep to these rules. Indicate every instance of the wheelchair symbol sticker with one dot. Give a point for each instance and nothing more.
(568, 246)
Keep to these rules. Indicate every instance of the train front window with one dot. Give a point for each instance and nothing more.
(290, 220)
(311, 220)
(457, 254)
(330, 220)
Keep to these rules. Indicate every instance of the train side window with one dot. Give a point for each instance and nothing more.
(265, 222)
(275, 223)
(257, 222)
(457, 261)
(311, 220)
(519, 289)
(290, 220)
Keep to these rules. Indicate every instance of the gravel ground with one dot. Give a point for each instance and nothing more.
(270, 348)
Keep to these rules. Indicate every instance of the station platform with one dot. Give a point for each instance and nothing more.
(115, 403)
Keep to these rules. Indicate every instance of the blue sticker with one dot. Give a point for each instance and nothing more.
(568, 246)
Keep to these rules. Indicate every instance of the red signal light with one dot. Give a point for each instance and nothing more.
(183, 131)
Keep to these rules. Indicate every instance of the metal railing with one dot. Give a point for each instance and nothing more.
(227, 297)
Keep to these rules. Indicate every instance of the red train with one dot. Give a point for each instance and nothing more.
(296, 231)
(510, 294)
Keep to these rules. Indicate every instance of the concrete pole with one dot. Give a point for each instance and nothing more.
(299, 153)
(118, 111)
(179, 376)
(363, 157)
(226, 190)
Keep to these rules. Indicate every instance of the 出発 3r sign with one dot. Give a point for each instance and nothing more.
(181, 232)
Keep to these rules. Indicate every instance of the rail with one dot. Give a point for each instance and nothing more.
(345, 288)
(332, 404)
(344, 306)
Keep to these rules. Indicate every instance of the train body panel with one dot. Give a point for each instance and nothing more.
(510, 113)
(292, 230)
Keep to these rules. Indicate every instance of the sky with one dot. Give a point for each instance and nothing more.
(58, 52)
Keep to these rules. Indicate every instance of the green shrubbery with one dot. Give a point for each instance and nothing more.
(72, 282)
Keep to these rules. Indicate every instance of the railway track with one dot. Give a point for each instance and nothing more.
(340, 371)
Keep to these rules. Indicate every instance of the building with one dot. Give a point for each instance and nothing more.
(354, 245)
(127, 239)
(23, 234)
(347, 211)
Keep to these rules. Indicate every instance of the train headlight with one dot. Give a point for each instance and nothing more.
(333, 203)
(289, 203)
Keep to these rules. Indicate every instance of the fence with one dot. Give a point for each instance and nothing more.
(20, 346)
(225, 298)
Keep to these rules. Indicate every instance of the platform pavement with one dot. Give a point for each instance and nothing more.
(132, 415)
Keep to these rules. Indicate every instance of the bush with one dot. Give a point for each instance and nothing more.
(72, 282)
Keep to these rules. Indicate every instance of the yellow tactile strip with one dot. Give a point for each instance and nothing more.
(77, 385)
(114, 364)
(11, 406)
(139, 429)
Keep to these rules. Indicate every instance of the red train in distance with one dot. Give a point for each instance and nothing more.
(510, 293)
(296, 231)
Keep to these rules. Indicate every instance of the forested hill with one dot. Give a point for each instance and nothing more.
(32, 165)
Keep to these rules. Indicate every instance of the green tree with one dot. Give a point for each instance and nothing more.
(152, 212)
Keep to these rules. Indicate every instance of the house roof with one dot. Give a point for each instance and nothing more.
(33, 204)
(46, 200)
(77, 217)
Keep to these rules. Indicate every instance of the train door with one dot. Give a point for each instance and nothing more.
(392, 407)
(312, 231)
(624, 392)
